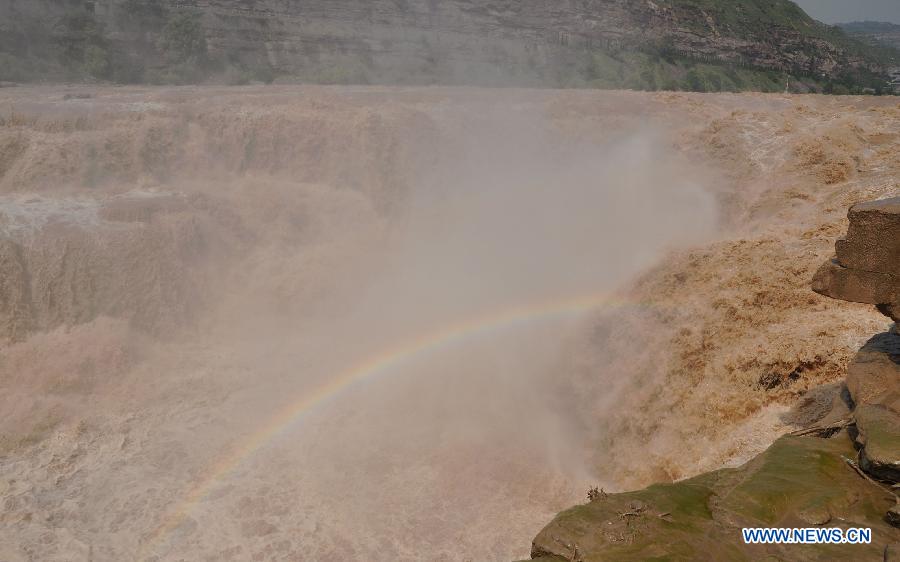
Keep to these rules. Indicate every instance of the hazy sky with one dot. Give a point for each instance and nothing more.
(836, 11)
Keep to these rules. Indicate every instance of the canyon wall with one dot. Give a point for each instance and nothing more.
(462, 41)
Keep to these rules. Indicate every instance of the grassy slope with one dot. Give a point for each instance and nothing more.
(641, 71)
(798, 482)
(750, 18)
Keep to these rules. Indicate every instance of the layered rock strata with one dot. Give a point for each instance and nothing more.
(457, 41)
(867, 266)
(867, 270)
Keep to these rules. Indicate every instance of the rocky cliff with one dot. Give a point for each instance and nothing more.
(867, 270)
(841, 471)
(611, 42)
(515, 35)
(867, 266)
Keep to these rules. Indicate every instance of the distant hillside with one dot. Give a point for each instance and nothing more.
(874, 32)
(706, 45)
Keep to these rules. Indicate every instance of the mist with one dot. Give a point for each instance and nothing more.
(456, 450)
(476, 437)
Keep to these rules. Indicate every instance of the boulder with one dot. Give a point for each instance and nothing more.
(873, 376)
(873, 240)
(867, 266)
(873, 380)
(879, 437)
(855, 285)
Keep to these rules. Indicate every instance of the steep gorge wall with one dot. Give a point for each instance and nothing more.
(469, 37)
(529, 42)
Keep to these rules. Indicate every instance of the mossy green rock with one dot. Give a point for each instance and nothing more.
(879, 435)
(873, 379)
(797, 482)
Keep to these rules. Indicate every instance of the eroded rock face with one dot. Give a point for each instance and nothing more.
(873, 380)
(867, 270)
(461, 41)
(867, 266)
(873, 241)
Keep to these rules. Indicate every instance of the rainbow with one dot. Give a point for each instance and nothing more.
(379, 364)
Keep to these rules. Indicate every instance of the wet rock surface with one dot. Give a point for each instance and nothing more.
(873, 380)
(798, 482)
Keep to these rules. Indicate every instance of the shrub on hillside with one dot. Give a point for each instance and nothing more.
(182, 43)
(82, 46)
(183, 40)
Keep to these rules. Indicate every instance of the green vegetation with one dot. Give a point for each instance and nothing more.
(82, 47)
(760, 20)
(797, 482)
(183, 40)
(153, 41)
(155, 44)
(641, 71)
(141, 16)
(749, 19)
(182, 45)
(746, 18)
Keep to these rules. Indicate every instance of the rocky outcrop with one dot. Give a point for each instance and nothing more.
(390, 33)
(842, 472)
(873, 380)
(867, 266)
(798, 482)
(867, 270)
